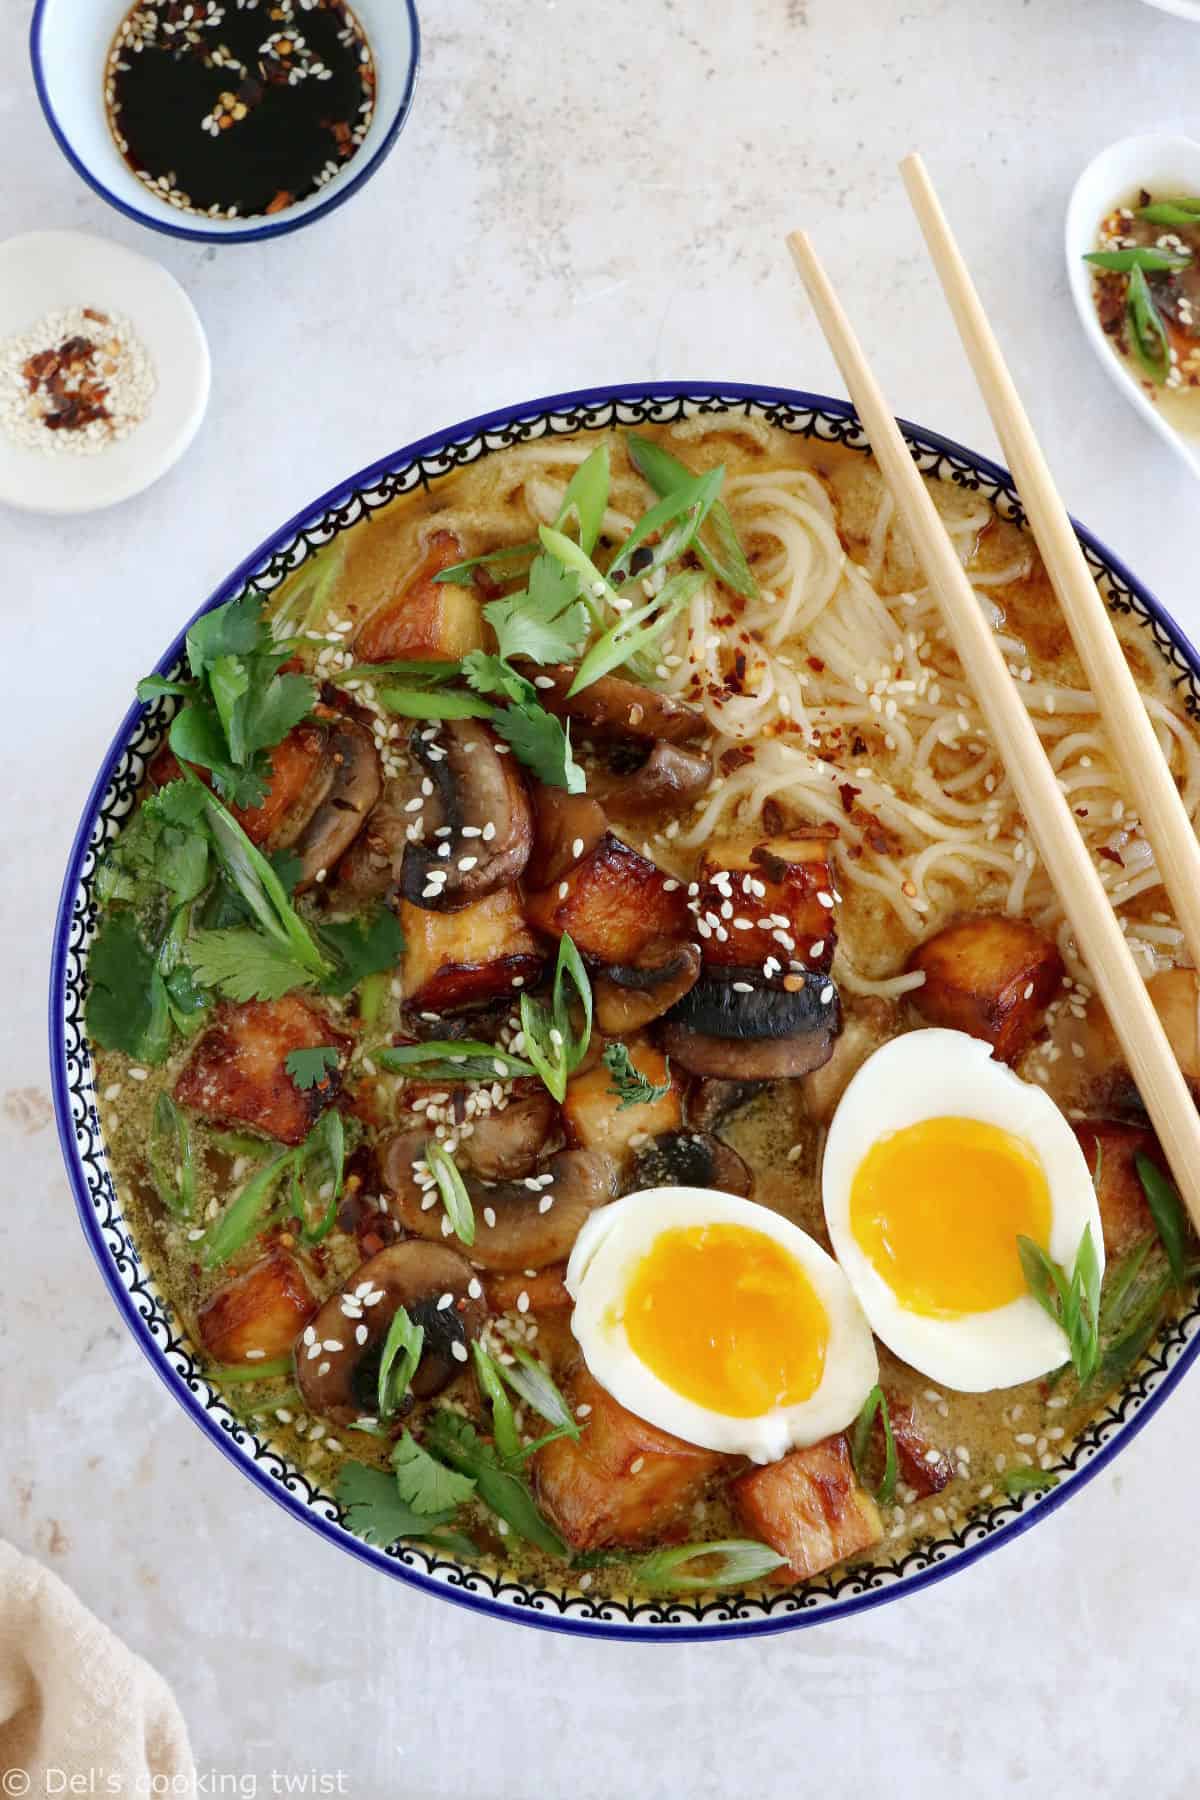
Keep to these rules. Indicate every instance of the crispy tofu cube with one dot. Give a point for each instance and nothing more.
(428, 620)
(545, 1291)
(810, 1508)
(990, 976)
(295, 767)
(594, 1119)
(465, 958)
(613, 904)
(258, 1315)
(1113, 1145)
(922, 1465)
(624, 1481)
(771, 899)
(237, 1071)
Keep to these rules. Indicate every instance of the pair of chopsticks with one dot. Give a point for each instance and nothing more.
(1067, 860)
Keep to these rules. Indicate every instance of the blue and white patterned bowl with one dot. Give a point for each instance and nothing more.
(148, 1314)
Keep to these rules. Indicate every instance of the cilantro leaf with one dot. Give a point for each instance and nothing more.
(454, 1440)
(363, 947)
(492, 675)
(547, 622)
(198, 738)
(234, 629)
(243, 964)
(630, 1086)
(542, 743)
(374, 1510)
(312, 1068)
(127, 998)
(163, 847)
(426, 1484)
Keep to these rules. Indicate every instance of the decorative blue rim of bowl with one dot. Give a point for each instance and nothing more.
(151, 1319)
(253, 234)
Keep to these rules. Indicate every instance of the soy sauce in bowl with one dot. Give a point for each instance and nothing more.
(236, 109)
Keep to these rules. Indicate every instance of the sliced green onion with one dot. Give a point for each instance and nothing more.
(414, 703)
(453, 1190)
(459, 575)
(1166, 1209)
(1179, 210)
(586, 498)
(325, 1147)
(430, 673)
(1027, 1481)
(504, 1424)
(739, 1561)
(259, 886)
(1145, 256)
(259, 1371)
(1147, 332)
(533, 1383)
(551, 1042)
(170, 1149)
(723, 555)
(241, 1220)
(633, 633)
(372, 995)
(1119, 1281)
(401, 1354)
(455, 1059)
(676, 519)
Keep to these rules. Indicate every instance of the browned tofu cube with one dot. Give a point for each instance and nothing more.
(295, 764)
(594, 1119)
(772, 899)
(1113, 1145)
(810, 1508)
(922, 1465)
(989, 976)
(544, 1291)
(258, 1315)
(624, 1481)
(237, 1072)
(428, 620)
(613, 904)
(457, 959)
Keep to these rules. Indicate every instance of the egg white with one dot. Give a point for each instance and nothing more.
(946, 1074)
(607, 1253)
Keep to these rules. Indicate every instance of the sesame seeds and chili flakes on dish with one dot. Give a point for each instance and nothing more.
(1146, 288)
(587, 1045)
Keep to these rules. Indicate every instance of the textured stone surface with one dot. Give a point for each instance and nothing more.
(584, 193)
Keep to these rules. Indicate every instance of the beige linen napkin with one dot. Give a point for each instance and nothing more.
(74, 1701)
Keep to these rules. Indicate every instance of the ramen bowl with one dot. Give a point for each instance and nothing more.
(885, 1574)
(69, 43)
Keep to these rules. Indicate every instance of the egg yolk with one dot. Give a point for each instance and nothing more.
(937, 1209)
(725, 1317)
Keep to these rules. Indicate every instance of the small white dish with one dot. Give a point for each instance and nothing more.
(50, 271)
(69, 44)
(1183, 9)
(1162, 163)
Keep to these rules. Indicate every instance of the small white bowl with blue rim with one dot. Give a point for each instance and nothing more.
(69, 45)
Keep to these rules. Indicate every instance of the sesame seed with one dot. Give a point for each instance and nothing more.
(458, 1352)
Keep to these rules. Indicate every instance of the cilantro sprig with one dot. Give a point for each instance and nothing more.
(312, 1068)
(629, 1085)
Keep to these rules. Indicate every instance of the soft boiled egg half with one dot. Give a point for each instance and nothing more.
(719, 1321)
(937, 1160)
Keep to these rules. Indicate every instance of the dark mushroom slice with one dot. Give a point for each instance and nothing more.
(711, 1101)
(691, 1159)
(522, 1224)
(667, 781)
(480, 806)
(751, 1030)
(353, 789)
(628, 996)
(613, 707)
(338, 1375)
(370, 868)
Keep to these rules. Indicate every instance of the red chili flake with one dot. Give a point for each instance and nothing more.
(815, 663)
(848, 793)
(1110, 856)
(859, 746)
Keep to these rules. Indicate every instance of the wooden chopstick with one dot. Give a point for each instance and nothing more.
(1042, 801)
(1159, 805)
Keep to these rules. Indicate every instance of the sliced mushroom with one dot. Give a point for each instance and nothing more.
(480, 806)
(370, 869)
(567, 828)
(629, 995)
(749, 1030)
(518, 1224)
(505, 1144)
(711, 1101)
(691, 1159)
(613, 707)
(666, 781)
(353, 788)
(338, 1376)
